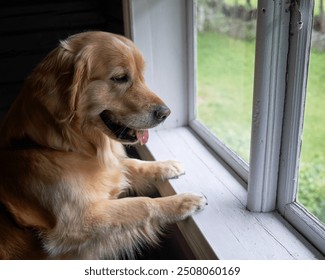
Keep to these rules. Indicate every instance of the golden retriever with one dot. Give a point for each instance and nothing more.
(64, 173)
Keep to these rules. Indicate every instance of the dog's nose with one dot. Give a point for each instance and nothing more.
(161, 112)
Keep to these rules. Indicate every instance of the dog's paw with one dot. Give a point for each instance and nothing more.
(171, 169)
(191, 203)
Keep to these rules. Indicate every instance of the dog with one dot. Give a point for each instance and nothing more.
(65, 175)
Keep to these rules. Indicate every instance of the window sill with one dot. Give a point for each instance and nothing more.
(225, 229)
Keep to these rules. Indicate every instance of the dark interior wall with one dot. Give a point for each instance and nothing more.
(31, 29)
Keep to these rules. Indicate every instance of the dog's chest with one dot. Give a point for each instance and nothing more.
(89, 180)
(110, 181)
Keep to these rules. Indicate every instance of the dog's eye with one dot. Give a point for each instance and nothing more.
(120, 79)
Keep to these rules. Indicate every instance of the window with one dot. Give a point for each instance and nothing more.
(298, 60)
(263, 181)
(280, 79)
(225, 68)
(311, 191)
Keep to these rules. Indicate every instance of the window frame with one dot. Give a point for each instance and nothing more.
(272, 179)
(298, 61)
(268, 103)
(183, 122)
(229, 156)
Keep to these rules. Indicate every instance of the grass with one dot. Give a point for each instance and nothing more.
(312, 169)
(225, 85)
(314, 116)
(225, 90)
(241, 2)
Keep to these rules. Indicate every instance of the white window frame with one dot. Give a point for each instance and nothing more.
(298, 60)
(268, 102)
(237, 163)
(160, 28)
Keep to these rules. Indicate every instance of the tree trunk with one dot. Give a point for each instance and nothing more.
(321, 16)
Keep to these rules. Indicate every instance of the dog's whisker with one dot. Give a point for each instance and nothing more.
(123, 129)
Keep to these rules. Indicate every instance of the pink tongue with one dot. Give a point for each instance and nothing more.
(143, 136)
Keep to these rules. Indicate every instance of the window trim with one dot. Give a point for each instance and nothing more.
(270, 187)
(231, 158)
(268, 103)
(299, 53)
(225, 229)
(295, 245)
(237, 163)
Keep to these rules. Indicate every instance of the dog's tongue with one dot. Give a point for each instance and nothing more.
(143, 136)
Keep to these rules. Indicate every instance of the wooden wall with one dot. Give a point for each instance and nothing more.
(30, 29)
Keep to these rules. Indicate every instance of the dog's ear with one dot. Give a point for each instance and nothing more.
(59, 79)
(81, 75)
(73, 83)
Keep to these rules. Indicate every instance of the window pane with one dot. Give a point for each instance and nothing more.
(311, 192)
(225, 65)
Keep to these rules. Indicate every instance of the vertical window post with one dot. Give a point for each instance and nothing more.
(300, 40)
(269, 91)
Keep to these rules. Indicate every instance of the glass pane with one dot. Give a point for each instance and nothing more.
(225, 67)
(311, 192)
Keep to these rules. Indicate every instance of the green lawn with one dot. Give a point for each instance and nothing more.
(225, 90)
(241, 2)
(225, 86)
(312, 174)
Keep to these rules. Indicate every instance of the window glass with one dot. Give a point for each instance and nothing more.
(311, 191)
(225, 68)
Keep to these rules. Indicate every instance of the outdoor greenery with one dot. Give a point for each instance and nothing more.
(225, 89)
(312, 167)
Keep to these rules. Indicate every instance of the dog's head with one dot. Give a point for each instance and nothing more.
(108, 88)
(92, 82)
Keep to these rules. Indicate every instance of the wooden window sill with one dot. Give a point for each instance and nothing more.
(225, 229)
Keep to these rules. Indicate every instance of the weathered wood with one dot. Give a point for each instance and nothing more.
(225, 227)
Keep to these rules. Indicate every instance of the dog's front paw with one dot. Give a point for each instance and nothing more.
(171, 169)
(191, 203)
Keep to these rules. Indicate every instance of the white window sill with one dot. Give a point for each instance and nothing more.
(225, 229)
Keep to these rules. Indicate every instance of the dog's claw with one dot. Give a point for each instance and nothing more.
(192, 203)
(173, 169)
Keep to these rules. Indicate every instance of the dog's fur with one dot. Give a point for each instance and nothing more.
(64, 173)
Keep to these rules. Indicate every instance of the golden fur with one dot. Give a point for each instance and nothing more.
(64, 173)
